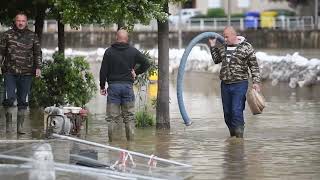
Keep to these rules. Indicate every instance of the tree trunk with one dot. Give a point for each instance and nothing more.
(163, 113)
(61, 44)
(39, 19)
(120, 25)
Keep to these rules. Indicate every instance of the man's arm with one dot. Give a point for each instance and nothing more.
(254, 69)
(143, 61)
(3, 46)
(103, 73)
(215, 51)
(37, 55)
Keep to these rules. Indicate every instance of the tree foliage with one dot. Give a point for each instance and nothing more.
(9, 8)
(104, 12)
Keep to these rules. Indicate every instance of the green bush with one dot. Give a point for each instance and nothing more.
(63, 81)
(143, 79)
(237, 15)
(216, 12)
(199, 16)
(144, 118)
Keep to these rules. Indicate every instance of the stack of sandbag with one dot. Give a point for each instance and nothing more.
(256, 101)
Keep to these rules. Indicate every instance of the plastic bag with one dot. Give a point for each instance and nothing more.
(256, 101)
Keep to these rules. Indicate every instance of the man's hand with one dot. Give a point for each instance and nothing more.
(103, 92)
(133, 73)
(256, 87)
(38, 72)
(212, 42)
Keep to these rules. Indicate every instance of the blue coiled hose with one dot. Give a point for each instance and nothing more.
(194, 41)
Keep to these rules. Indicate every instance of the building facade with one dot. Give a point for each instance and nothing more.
(237, 6)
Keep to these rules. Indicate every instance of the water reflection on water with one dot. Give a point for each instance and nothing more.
(281, 143)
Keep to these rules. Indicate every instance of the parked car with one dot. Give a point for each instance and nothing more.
(185, 14)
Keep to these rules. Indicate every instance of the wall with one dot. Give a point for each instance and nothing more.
(258, 38)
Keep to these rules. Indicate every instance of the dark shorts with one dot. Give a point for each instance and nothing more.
(120, 93)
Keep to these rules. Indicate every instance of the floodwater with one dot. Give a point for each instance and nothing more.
(281, 143)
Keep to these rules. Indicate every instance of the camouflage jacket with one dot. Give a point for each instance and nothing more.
(242, 60)
(20, 52)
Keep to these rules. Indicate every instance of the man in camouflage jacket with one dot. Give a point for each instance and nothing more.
(20, 59)
(237, 57)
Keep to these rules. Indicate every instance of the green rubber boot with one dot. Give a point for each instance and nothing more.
(129, 119)
(20, 119)
(115, 122)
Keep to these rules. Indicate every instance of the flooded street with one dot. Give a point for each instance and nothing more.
(281, 143)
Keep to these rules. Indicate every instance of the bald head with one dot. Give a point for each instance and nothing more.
(230, 35)
(122, 36)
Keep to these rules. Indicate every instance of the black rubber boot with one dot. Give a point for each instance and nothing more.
(232, 132)
(8, 114)
(20, 120)
(239, 131)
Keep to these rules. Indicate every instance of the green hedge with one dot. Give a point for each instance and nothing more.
(217, 13)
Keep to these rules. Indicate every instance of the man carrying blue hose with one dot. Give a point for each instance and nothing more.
(237, 57)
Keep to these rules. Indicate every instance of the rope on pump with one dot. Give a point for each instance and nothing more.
(194, 42)
(152, 161)
(122, 162)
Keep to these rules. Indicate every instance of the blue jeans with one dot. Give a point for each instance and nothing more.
(233, 101)
(17, 87)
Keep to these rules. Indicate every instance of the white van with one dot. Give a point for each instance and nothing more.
(185, 15)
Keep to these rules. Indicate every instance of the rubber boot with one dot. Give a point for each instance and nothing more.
(20, 119)
(115, 129)
(239, 131)
(110, 131)
(115, 122)
(232, 132)
(128, 119)
(129, 126)
(8, 114)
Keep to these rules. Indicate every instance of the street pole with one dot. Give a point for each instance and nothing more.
(229, 12)
(179, 28)
(316, 18)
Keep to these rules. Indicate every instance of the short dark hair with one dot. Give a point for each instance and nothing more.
(21, 13)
